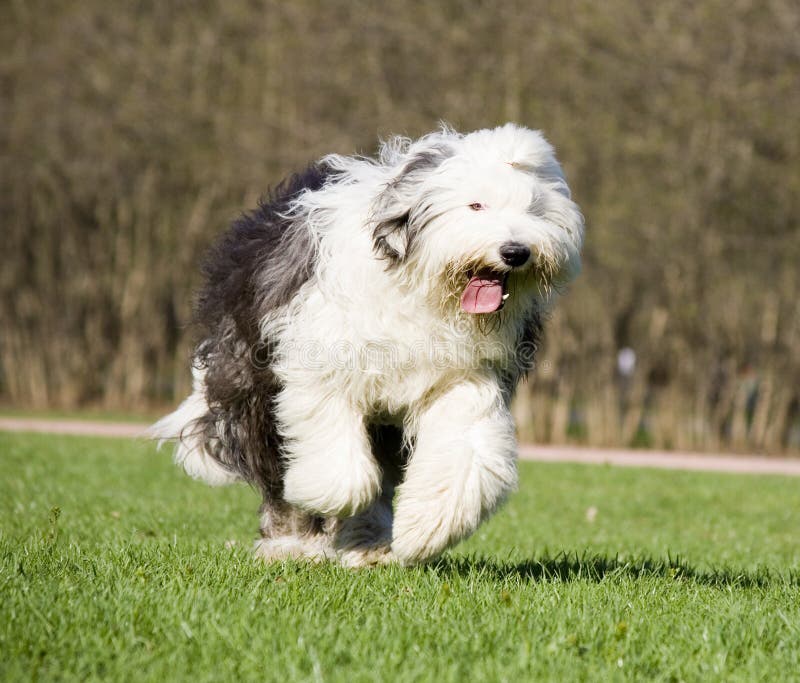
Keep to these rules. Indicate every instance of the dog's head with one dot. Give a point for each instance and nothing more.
(480, 221)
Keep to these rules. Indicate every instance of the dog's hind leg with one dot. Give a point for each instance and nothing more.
(288, 533)
(365, 539)
(462, 467)
(330, 468)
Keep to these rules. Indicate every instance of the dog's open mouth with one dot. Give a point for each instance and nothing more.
(485, 292)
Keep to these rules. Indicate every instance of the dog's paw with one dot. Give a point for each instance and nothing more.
(367, 557)
(420, 533)
(314, 485)
(277, 549)
(413, 544)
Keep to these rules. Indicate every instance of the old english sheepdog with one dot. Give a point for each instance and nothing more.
(363, 332)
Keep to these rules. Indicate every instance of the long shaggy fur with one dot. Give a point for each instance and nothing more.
(340, 370)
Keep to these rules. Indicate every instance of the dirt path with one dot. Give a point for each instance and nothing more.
(669, 460)
(596, 456)
(77, 427)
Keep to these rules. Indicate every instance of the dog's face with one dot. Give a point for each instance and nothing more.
(481, 219)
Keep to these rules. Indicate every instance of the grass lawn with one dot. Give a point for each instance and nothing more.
(113, 565)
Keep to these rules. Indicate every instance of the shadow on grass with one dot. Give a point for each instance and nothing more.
(570, 567)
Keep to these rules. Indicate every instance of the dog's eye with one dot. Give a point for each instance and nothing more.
(477, 206)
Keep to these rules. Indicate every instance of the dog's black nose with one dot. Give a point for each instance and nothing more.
(514, 253)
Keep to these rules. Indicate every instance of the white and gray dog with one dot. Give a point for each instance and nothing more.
(363, 333)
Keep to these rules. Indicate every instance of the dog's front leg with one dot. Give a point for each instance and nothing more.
(330, 466)
(462, 467)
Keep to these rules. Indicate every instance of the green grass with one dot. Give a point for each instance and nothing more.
(113, 565)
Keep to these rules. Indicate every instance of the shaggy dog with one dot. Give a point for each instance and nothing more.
(363, 333)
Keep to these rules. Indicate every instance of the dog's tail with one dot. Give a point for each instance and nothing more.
(185, 428)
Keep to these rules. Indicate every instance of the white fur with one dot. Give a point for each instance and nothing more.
(463, 467)
(464, 462)
(331, 468)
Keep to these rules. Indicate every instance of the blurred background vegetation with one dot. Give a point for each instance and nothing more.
(133, 132)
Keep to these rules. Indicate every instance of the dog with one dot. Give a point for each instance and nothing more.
(363, 332)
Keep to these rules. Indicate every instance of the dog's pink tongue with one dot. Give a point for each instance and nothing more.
(482, 294)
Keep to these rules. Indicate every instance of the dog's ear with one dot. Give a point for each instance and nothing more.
(396, 220)
(391, 236)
